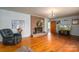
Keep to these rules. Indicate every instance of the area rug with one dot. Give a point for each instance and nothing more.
(24, 49)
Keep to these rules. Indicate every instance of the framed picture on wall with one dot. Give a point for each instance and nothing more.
(18, 23)
(75, 21)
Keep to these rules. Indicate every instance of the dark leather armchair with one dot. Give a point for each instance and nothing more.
(10, 38)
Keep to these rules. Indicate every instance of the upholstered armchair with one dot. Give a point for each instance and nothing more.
(10, 38)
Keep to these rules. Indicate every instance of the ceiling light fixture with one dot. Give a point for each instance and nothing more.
(52, 13)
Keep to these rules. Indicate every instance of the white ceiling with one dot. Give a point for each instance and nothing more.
(45, 11)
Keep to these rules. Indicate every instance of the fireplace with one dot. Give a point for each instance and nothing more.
(39, 27)
(38, 30)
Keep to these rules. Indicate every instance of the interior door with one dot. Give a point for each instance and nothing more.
(53, 27)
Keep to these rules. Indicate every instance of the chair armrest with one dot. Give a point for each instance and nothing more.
(18, 35)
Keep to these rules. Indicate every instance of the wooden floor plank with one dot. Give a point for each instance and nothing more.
(47, 43)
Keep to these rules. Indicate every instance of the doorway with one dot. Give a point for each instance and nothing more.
(48, 26)
(53, 27)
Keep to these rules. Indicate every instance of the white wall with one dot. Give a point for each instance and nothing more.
(7, 16)
(75, 28)
(46, 25)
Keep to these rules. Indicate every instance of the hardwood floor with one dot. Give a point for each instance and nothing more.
(47, 43)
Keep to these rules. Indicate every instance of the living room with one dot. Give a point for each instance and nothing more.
(32, 24)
